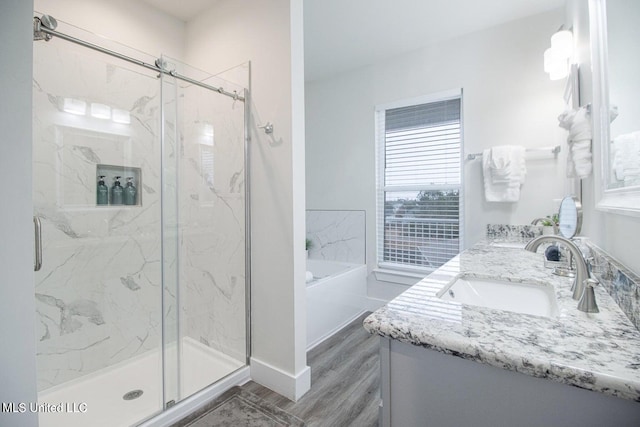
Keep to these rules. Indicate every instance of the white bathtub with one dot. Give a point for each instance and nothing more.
(336, 295)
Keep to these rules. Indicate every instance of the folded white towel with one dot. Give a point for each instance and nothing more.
(500, 165)
(503, 170)
(579, 158)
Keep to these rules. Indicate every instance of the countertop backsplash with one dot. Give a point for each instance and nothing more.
(513, 231)
(621, 283)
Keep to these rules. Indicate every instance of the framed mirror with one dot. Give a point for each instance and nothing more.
(616, 107)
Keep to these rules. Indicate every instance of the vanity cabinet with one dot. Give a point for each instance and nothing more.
(422, 387)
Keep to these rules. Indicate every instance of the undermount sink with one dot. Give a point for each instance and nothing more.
(526, 298)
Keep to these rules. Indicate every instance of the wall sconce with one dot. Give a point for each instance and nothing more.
(558, 56)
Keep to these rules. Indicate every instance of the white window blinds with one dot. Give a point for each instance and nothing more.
(419, 182)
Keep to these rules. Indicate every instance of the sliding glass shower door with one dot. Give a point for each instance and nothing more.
(206, 131)
(138, 184)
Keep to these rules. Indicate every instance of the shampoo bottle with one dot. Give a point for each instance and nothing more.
(102, 192)
(130, 192)
(116, 192)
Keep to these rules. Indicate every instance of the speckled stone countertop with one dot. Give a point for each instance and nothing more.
(599, 352)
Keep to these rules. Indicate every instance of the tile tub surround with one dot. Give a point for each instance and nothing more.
(599, 352)
(337, 235)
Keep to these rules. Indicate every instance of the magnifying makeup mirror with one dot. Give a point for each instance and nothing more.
(570, 220)
(570, 217)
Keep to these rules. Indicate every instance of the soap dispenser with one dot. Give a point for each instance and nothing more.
(130, 192)
(116, 192)
(102, 192)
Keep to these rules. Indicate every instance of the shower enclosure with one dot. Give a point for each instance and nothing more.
(141, 301)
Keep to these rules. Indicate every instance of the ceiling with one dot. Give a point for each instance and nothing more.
(184, 10)
(344, 34)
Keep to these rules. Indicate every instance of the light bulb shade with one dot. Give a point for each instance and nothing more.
(548, 60)
(559, 71)
(553, 60)
(562, 43)
(100, 111)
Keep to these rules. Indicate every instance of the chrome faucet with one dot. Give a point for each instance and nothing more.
(582, 272)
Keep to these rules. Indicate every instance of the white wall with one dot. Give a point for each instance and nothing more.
(130, 22)
(508, 99)
(17, 303)
(269, 34)
(617, 234)
(279, 337)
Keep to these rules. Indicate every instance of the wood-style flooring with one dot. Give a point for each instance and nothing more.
(345, 382)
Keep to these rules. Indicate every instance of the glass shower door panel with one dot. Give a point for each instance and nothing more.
(171, 343)
(211, 195)
(98, 293)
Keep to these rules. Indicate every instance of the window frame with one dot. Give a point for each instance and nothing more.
(381, 189)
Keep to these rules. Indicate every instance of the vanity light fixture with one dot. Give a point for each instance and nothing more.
(558, 57)
(562, 42)
(74, 106)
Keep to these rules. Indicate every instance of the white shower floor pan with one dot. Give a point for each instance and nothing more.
(96, 400)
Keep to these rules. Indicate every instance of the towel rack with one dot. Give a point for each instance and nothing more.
(554, 150)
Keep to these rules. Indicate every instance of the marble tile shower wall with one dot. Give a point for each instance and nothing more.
(212, 222)
(98, 296)
(337, 235)
(620, 282)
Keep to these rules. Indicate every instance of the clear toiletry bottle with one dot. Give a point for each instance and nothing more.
(130, 192)
(102, 192)
(117, 192)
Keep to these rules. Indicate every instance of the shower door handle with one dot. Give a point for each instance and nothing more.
(38, 243)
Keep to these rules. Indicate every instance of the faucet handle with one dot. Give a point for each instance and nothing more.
(587, 302)
(590, 266)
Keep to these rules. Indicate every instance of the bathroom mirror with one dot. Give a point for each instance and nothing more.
(616, 78)
(570, 217)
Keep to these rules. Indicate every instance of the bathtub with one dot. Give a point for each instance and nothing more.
(336, 295)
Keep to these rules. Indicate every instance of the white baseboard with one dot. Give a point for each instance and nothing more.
(290, 386)
(373, 304)
(329, 334)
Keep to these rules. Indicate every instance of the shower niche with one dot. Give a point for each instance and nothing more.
(125, 175)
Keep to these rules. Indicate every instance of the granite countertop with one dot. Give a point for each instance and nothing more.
(599, 351)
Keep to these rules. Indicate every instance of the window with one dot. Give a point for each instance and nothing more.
(419, 182)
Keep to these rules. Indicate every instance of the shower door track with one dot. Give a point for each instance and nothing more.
(40, 32)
